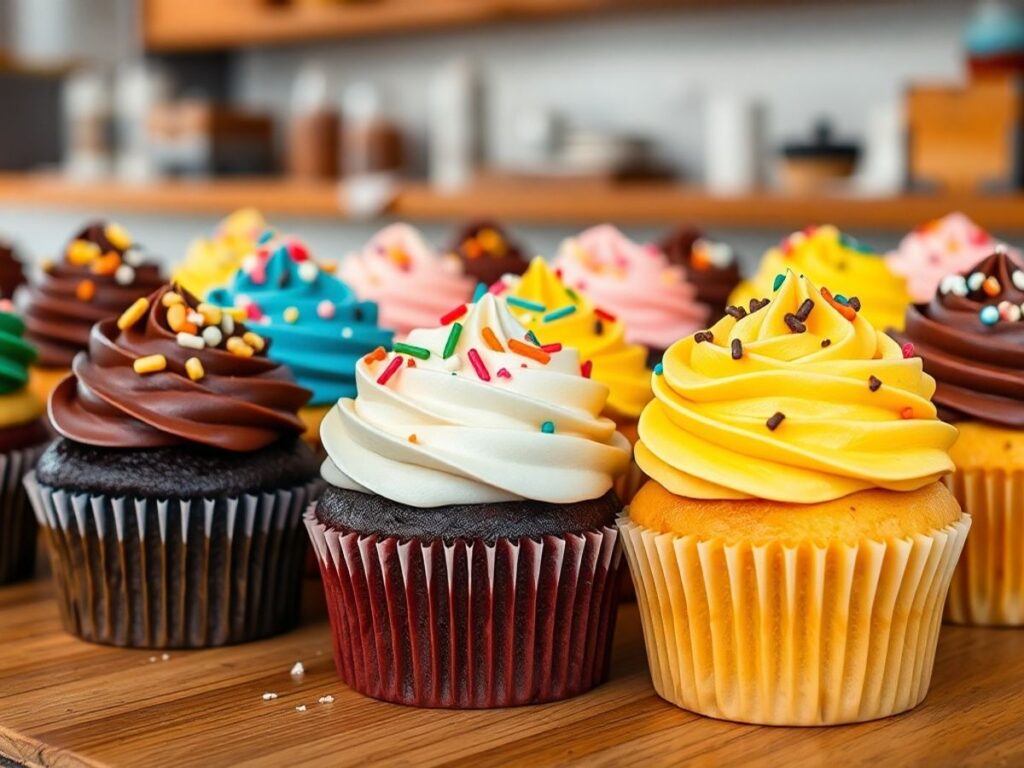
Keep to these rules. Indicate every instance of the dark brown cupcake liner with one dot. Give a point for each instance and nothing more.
(467, 624)
(175, 573)
(17, 523)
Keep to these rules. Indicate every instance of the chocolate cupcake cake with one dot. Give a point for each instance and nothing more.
(487, 252)
(711, 267)
(12, 275)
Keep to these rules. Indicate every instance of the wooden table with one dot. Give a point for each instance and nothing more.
(64, 702)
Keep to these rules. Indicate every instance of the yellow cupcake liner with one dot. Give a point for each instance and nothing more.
(792, 635)
(988, 585)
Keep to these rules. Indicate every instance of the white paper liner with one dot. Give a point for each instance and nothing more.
(469, 624)
(175, 573)
(17, 523)
(792, 635)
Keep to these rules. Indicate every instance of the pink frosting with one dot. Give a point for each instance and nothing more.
(411, 283)
(951, 244)
(634, 282)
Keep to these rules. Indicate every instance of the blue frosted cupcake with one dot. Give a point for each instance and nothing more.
(314, 322)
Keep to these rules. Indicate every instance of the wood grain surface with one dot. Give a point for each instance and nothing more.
(67, 703)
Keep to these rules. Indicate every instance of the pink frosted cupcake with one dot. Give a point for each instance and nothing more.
(635, 282)
(945, 246)
(409, 281)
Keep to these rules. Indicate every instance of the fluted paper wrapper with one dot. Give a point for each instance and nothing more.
(468, 624)
(17, 523)
(792, 635)
(988, 585)
(175, 573)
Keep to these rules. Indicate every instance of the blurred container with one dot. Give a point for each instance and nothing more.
(456, 125)
(30, 136)
(88, 126)
(314, 131)
(139, 88)
(734, 142)
(994, 38)
(817, 164)
(371, 143)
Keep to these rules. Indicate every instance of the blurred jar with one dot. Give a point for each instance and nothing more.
(314, 131)
(371, 143)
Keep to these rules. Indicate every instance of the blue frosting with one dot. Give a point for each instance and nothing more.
(319, 347)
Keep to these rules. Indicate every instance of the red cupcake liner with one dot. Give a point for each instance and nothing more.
(467, 624)
(17, 524)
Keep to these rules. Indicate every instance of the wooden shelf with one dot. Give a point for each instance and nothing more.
(524, 202)
(68, 703)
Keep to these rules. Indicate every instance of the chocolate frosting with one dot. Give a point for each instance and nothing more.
(971, 338)
(713, 283)
(11, 273)
(60, 312)
(487, 252)
(240, 404)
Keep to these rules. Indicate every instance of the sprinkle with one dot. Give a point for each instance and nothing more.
(1018, 279)
(874, 383)
(908, 350)
(842, 299)
(150, 364)
(453, 315)
(975, 280)
(701, 336)
(480, 292)
(533, 338)
(586, 368)
(805, 310)
(413, 439)
(117, 235)
(907, 413)
(498, 288)
(491, 340)
(298, 669)
(478, 365)
(239, 348)
(378, 354)
(504, 374)
(253, 312)
(291, 315)
(211, 315)
(572, 294)
(171, 298)
(736, 312)
(955, 284)
(848, 312)
(558, 314)
(604, 315)
(227, 324)
(793, 323)
(854, 302)
(551, 348)
(534, 353)
(134, 313)
(212, 336)
(826, 343)
(598, 326)
(325, 309)
(1009, 311)
(390, 371)
(195, 318)
(989, 315)
(758, 304)
(548, 427)
(991, 286)
(268, 696)
(86, 290)
(453, 341)
(326, 699)
(177, 317)
(659, 369)
(737, 349)
(410, 362)
(191, 341)
(779, 280)
(254, 340)
(194, 368)
(106, 264)
(133, 256)
(775, 420)
(82, 252)
(533, 306)
(265, 236)
(410, 349)
(300, 708)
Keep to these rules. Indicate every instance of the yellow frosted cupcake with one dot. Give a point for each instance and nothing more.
(556, 314)
(211, 263)
(793, 549)
(826, 256)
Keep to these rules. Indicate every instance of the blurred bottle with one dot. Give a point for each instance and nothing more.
(139, 89)
(734, 143)
(314, 131)
(456, 125)
(371, 143)
(88, 120)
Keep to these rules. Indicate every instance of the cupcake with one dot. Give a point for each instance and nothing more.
(557, 314)
(211, 263)
(412, 285)
(487, 252)
(655, 300)
(314, 322)
(466, 537)
(172, 502)
(942, 247)
(711, 267)
(23, 435)
(12, 276)
(102, 272)
(972, 340)
(826, 256)
(793, 548)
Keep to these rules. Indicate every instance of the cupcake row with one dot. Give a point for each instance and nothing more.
(798, 500)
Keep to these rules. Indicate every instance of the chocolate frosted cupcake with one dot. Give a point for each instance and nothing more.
(100, 274)
(172, 503)
(971, 337)
(711, 267)
(12, 275)
(487, 252)
(23, 435)
(466, 540)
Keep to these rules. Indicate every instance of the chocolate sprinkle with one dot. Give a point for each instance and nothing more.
(854, 302)
(700, 336)
(775, 420)
(737, 349)
(757, 304)
(794, 323)
(598, 327)
(826, 343)
(805, 310)
(874, 383)
(737, 312)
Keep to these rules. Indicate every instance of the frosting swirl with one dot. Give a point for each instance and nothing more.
(12, 276)
(211, 263)
(17, 405)
(487, 252)
(474, 421)
(102, 272)
(411, 284)
(563, 316)
(828, 257)
(636, 282)
(316, 325)
(800, 401)
(711, 267)
(144, 385)
(941, 247)
(972, 340)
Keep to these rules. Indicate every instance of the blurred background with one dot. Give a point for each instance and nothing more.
(748, 119)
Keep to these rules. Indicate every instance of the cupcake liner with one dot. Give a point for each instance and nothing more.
(988, 585)
(174, 573)
(467, 624)
(792, 635)
(629, 482)
(17, 523)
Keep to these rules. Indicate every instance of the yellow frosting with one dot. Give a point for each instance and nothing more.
(706, 433)
(830, 258)
(19, 408)
(621, 366)
(212, 263)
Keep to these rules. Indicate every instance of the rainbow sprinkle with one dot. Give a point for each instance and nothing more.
(548, 427)
(558, 314)
(605, 315)
(498, 288)
(779, 280)
(393, 366)
(534, 353)
(491, 340)
(453, 340)
(504, 374)
(586, 368)
(411, 349)
(551, 348)
(532, 306)
(453, 315)
(478, 365)
(659, 369)
(533, 338)
(480, 292)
